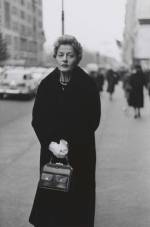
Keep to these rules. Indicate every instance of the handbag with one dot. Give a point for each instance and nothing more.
(56, 176)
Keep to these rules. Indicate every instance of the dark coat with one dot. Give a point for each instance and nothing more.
(111, 81)
(136, 97)
(72, 114)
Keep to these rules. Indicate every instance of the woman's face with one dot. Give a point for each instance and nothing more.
(66, 58)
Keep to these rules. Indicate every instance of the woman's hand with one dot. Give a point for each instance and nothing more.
(60, 150)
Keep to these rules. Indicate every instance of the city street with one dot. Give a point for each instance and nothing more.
(123, 164)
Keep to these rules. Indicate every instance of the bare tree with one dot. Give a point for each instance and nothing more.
(3, 49)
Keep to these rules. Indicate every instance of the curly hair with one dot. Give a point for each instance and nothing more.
(68, 40)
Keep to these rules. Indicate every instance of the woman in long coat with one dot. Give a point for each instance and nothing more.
(67, 106)
(136, 97)
(111, 82)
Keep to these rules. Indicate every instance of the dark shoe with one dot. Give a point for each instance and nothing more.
(135, 116)
(139, 115)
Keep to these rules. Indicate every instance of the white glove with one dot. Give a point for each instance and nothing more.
(60, 150)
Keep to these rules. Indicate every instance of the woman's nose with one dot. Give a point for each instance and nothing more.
(65, 58)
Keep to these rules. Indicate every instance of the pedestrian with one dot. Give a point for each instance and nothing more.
(67, 107)
(100, 80)
(111, 82)
(127, 88)
(95, 77)
(147, 79)
(137, 83)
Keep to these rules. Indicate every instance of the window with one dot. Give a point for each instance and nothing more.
(29, 5)
(14, 10)
(22, 2)
(30, 31)
(33, 46)
(15, 26)
(22, 13)
(23, 30)
(16, 43)
(40, 12)
(33, 5)
(23, 44)
(40, 24)
(29, 18)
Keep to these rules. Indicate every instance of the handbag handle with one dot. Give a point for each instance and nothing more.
(65, 157)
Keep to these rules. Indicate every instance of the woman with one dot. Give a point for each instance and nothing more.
(67, 107)
(111, 82)
(136, 97)
(127, 88)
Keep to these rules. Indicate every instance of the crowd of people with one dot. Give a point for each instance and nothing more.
(133, 81)
(109, 76)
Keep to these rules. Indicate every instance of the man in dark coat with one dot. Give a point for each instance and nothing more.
(71, 113)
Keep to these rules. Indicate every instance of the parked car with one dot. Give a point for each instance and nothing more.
(18, 82)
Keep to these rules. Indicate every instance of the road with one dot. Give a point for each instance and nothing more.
(18, 159)
(123, 164)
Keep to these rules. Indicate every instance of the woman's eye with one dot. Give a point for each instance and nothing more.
(60, 55)
(68, 55)
(71, 55)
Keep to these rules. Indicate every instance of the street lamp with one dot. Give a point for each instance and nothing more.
(63, 18)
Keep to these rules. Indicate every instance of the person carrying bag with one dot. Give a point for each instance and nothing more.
(66, 114)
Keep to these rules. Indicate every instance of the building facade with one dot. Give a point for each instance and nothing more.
(136, 45)
(21, 25)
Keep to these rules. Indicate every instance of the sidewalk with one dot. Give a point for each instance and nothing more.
(123, 166)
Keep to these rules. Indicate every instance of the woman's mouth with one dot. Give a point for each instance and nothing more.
(64, 65)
